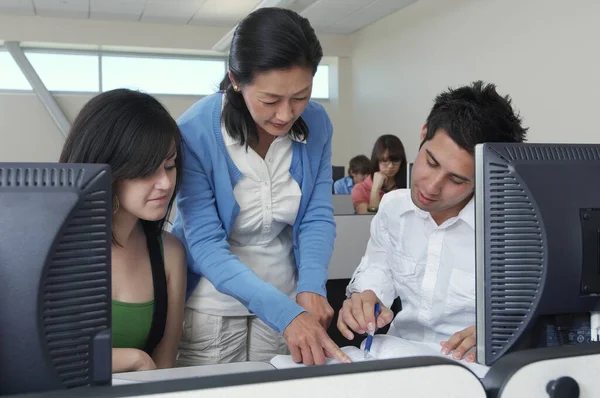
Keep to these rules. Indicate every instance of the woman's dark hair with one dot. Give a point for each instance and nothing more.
(131, 132)
(395, 149)
(267, 39)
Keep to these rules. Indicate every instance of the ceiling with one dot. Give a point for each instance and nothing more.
(326, 16)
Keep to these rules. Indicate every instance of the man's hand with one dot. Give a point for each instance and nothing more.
(309, 343)
(358, 314)
(317, 306)
(461, 342)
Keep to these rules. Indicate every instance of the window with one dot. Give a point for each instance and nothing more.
(66, 72)
(94, 71)
(321, 83)
(11, 77)
(162, 75)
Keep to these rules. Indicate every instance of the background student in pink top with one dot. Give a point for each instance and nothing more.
(388, 172)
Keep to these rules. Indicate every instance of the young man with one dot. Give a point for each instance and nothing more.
(422, 245)
(358, 169)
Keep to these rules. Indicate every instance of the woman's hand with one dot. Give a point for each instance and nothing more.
(317, 306)
(309, 343)
(379, 180)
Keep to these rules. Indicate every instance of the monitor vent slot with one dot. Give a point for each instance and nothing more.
(551, 152)
(40, 177)
(76, 301)
(516, 256)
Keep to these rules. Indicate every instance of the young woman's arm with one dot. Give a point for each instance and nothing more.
(375, 194)
(361, 198)
(130, 360)
(165, 353)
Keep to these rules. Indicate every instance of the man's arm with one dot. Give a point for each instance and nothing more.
(372, 282)
(374, 272)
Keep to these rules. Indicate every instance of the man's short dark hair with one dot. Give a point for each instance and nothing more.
(475, 114)
(360, 164)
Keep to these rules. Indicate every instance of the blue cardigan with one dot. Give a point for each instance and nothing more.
(207, 209)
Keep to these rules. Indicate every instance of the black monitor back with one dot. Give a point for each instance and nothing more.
(537, 239)
(55, 298)
(337, 173)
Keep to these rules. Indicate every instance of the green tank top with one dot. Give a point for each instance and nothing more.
(131, 323)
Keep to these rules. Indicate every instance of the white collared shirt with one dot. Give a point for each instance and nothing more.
(262, 236)
(430, 267)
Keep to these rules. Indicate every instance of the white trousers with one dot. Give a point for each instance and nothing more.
(210, 339)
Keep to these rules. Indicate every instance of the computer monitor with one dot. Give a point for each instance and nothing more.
(408, 174)
(537, 239)
(337, 173)
(55, 286)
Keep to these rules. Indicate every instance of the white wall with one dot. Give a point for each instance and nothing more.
(27, 132)
(544, 53)
(339, 108)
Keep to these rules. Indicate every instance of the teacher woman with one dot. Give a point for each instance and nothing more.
(255, 210)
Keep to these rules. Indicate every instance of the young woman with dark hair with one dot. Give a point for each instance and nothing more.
(388, 173)
(136, 136)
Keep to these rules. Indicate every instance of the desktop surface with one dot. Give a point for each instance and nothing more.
(395, 377)
(189, 372)
(342, 205)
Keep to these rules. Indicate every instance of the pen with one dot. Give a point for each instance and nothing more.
(371, 333)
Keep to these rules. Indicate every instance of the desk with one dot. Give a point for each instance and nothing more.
(342, 205)
(189, 372)
(405, 377)
(517, 375)
(432, 379)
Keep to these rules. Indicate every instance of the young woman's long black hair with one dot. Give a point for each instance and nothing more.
(267, 39)
(131, 132)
